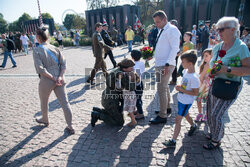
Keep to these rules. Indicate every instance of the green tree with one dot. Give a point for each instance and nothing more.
(46, 16)
(57, 26)
(68, 21)
(14, 27)
(23, 18)
(79, 22)
(3, 24)
(147, 9)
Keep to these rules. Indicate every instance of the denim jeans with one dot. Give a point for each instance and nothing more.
(6, 54)
(130, 45)
(26, 51)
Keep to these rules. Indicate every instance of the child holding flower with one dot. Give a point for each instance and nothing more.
(204, 84)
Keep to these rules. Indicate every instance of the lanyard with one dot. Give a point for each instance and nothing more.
(157, 39)
(51, 54)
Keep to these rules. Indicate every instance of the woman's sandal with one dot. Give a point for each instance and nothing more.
(41, 122)
(211, 146)
(70, 131)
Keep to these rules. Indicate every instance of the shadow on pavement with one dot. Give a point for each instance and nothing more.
(191, 153)
(247, 79)
(141, 147)
(8, 155)
(26, 158)
(98, 148)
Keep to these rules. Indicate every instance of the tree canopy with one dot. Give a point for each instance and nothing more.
(74, 21)
(3, 24)
(46, 16)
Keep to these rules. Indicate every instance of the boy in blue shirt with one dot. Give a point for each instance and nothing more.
(188, 90)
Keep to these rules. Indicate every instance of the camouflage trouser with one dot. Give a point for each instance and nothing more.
(112, 113)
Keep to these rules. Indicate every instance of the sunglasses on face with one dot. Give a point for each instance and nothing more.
(222, 29)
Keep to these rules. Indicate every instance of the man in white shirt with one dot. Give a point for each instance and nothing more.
(25, 42)
(167, 46)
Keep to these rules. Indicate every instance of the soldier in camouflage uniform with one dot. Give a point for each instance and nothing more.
(112, 100)
(98, 47)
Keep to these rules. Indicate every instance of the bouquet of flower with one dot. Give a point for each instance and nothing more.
(147, 54)
(217, 64)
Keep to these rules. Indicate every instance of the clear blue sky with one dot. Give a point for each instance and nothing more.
(13, 9)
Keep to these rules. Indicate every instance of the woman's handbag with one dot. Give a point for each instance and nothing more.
(225, 89)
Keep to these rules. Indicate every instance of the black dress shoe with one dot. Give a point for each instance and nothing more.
(158, 120)
(94, 117)
(169, 111)
(157, 112)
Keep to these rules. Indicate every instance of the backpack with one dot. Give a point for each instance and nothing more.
(10, 45)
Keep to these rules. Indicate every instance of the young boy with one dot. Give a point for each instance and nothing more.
(187, 45)
(139, 68)
(188, 90)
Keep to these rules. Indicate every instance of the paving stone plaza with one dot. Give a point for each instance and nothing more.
(25, 143)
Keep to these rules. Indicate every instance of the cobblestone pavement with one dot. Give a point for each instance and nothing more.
(24, 143)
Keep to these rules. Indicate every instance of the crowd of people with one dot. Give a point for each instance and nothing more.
(203, 86)
(217, 84)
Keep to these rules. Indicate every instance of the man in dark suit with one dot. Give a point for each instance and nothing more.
(205, 35)
(108, 41)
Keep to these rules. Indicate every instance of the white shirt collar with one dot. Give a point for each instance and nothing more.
(166, 26)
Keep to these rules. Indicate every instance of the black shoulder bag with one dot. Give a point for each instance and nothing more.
(225, 89)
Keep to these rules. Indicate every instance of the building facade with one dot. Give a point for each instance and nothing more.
(123, 16)
(190, 12)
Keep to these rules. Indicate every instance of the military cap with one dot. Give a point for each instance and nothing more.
(125, 63)
(98, 24)
(208, 21)
(105, 24)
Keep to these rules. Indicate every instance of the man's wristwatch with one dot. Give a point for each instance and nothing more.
(166, 64)
(229, 69)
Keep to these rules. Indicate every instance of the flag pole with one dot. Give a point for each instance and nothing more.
(40, 14)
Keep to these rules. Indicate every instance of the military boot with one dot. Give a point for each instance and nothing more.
(94, 117)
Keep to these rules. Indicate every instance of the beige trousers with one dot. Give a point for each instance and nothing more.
(45, 88)
(163, 88)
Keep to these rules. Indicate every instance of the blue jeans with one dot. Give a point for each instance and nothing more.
(26, 51)
(6, 54)
(130, 45)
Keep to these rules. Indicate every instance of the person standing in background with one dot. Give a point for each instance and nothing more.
(129, 37)
(25, 42)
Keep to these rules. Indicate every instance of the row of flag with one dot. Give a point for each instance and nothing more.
(137, 24)
(28, 28)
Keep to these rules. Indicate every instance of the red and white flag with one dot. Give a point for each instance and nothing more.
(104, 21)
(137, 23)
(126, 20)
(113, 20)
